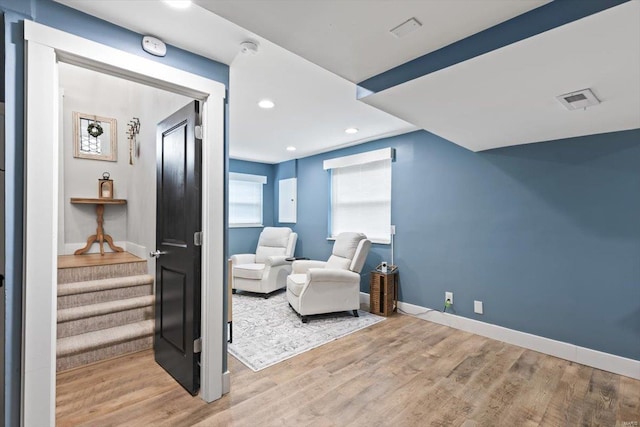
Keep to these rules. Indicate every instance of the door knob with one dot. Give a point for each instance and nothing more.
(156, 254)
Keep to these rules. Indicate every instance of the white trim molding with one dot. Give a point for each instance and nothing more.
(137, 250)
(359, 159)
(46, 46)
(571, 352)
(70, 248)
(236, 176)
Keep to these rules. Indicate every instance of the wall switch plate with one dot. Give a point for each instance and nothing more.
(448, 296)
(393, 229)
(477, 307)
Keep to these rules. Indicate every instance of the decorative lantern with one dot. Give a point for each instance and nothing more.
(105, 187)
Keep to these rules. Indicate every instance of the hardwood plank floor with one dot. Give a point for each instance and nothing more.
(400, 372)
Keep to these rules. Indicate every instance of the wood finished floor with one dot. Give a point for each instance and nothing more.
(89, 260)
(400, 372)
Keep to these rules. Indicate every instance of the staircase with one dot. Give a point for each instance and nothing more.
(105, 308)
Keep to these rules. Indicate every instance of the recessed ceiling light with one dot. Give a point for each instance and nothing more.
(178, 4)
(351, 130)
(266, 103)
(291, 148)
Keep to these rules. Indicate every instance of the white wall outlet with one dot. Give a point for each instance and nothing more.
(477, 307)
(393, 229)
(448, 296)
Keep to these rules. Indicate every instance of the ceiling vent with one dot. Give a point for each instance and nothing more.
(406, 27)
(580, 99)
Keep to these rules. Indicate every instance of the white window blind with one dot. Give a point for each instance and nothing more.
(361, 195)
(245, 199)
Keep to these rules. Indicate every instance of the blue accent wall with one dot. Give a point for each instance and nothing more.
(2, 79)
(55, 15)
(14, 172)
(64, 18)
(547, 235)
(244, 240)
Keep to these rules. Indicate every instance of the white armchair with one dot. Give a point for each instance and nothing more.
(316, 287)
(266, 270)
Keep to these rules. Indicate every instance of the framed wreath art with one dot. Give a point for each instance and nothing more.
(94, 129)
(95, 137)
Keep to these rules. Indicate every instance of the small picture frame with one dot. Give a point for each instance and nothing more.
(95, 137)
(105, 187)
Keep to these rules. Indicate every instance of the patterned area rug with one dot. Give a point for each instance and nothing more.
(268, 331)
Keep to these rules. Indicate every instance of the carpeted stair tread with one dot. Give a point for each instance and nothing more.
(91, 310)
(105, 337)
(104, 284)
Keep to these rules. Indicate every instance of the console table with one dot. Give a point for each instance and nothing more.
(100, 237)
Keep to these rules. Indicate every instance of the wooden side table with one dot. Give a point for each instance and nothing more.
(100, 237)
(383, 293)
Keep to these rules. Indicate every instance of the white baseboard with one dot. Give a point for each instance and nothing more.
(573, 353)
(137, 250)
(132, 248)
(226, 382)
(70, 248)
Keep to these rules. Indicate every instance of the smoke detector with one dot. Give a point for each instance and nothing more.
(248, 47)
(580, 99)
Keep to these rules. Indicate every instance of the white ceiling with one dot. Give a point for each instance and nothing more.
(351, 37)
(508, 96)
(505, 97)
(313, 106)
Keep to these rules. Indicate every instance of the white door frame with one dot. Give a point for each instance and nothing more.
(46, 46)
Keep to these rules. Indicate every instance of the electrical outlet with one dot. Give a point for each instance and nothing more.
(393, 229)
(448, 296)
(477, 307)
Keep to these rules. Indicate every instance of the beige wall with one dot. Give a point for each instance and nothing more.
(94, 93)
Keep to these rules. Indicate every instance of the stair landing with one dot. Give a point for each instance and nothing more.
(77, 268)
(75, 261)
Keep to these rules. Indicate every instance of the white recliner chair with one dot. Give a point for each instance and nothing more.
(316, 287)
(266, 270)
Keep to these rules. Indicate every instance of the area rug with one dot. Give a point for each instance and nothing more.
(268, 331)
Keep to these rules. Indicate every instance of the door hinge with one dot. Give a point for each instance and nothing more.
(197, 238)
(198, 131)
(197, 345)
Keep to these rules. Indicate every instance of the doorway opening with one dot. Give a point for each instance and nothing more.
(46, 49)
(104, 312)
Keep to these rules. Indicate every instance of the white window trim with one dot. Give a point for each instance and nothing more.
(260, 179)
(235, 176)
(359, 159)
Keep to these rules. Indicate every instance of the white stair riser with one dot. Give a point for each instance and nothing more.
(104, 321)
(72, 361)
(69, 301)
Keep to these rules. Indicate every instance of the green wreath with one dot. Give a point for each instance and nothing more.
(94, 129)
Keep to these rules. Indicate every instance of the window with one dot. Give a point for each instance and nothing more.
(245, 199)
(361, 194)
